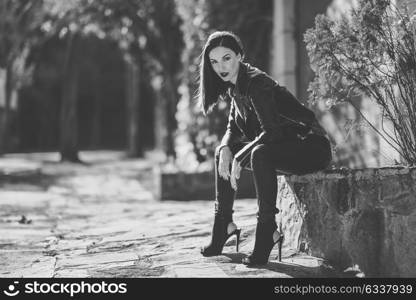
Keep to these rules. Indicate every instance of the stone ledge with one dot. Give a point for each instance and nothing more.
(196, 186)
(356, 173)
(364, 218)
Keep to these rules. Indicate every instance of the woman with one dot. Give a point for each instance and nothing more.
(268, 130)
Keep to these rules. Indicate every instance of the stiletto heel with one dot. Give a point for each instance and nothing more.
(220, 236)
(280, 241)
(237, 233)
(264, 244)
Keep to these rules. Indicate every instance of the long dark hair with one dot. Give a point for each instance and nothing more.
(212, 87)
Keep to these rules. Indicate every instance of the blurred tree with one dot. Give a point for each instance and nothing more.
(165, 45)
(68, 114)
(19, 30)
(371, 51)
(252, 21)
(132, 107)
(101, 94)
(147, 32)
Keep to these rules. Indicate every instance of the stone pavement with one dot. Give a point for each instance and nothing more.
(102, 220)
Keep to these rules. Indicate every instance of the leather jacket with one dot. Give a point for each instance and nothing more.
(264, 112)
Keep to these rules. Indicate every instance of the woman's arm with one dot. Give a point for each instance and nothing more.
(243, 156)
(233, 134)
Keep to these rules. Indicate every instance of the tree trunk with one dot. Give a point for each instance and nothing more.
(95, 141)
(170, 116)
(134, 143)
(69, 118)
(165, 122)
(160, 123)
(5, 111)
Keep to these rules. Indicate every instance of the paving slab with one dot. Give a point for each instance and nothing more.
(102, 220)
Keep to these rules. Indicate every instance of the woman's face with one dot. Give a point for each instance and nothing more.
(225, 63)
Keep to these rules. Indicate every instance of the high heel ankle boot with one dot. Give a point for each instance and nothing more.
(223, 229)
(266, 238)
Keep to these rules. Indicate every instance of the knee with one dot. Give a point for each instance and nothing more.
(259, 154)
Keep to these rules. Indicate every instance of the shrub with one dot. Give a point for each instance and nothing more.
(370, 51)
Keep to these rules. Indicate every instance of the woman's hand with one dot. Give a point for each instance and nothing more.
(235, 174)
(225, 162)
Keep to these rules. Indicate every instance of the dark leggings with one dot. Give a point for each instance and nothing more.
(293, 156)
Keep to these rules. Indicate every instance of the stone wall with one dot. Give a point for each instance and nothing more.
(363, 218)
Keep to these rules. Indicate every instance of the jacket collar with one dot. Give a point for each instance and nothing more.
(245, 73)
(240, 91)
